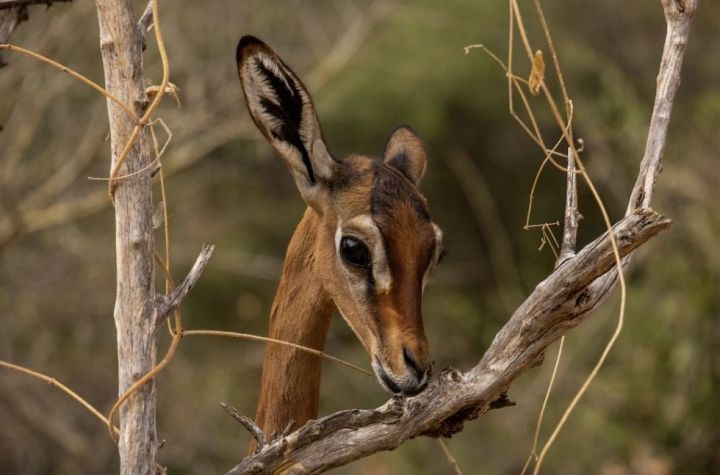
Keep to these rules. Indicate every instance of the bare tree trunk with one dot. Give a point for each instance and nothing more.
(121, 47)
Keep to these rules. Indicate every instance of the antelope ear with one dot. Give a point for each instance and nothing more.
(282, 110)
(405, 151)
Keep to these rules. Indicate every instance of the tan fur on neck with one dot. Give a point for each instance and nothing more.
(301, 312)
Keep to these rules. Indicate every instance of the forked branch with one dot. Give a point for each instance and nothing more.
(454, 397)
(557, 304)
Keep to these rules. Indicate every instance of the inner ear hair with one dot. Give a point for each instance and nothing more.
(405, 151)
(279, 105)
(283, 111)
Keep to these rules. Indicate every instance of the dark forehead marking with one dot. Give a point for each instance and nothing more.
(390, 187)
(348, 175)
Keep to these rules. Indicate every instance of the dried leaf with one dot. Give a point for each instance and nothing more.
(537, 73)
(171, 89)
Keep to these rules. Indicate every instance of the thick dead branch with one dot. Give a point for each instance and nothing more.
(560, 300)
(454, 397)
(121, 48)
(556, 305)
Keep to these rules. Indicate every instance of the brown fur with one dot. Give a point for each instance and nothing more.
(311, 288)
(409, 243)
(301, 311)
(375, 202)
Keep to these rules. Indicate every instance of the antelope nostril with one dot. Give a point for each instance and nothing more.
(412, 363)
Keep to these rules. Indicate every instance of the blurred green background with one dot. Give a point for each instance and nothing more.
(655, 407)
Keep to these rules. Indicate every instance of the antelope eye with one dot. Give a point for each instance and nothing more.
(355, 252)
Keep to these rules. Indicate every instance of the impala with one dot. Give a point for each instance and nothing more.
(365, 247)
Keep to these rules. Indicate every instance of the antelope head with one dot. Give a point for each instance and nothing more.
(375, 246)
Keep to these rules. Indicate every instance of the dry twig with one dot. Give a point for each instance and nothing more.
(171, 302)
(248, 424)
(572, 215)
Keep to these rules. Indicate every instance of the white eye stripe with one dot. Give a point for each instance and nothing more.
(436, 256)
(365, 229)
(438, 242)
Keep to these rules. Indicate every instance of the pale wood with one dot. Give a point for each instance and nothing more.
(169, 303)
(678, 17)
(572, 215)
(454, 397)
(559, 303)
(121, 49)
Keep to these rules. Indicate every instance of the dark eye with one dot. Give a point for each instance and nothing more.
(354, 251)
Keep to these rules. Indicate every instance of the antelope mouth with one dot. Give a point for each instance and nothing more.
(409, 385)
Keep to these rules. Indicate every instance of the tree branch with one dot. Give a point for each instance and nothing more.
(572, 216)
(454, 397)
(557, 304)
(678, 16)
(169, 303)
(248, 424)
(145, 22)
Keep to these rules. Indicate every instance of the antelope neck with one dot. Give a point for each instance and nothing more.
(301, 313)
